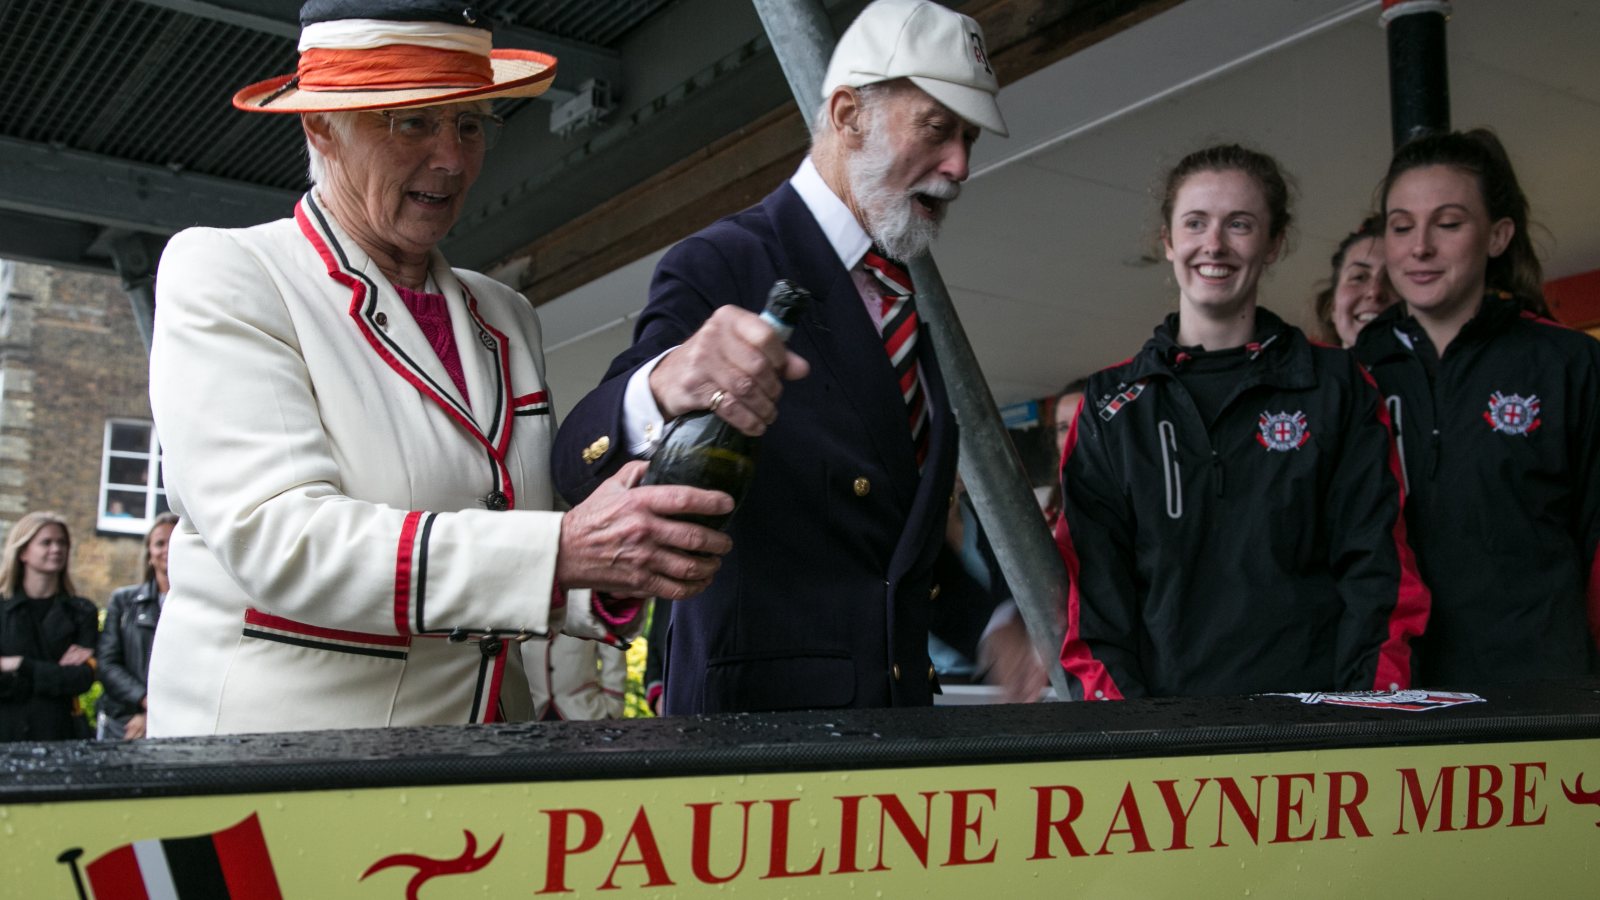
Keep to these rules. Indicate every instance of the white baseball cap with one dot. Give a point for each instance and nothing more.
(937, 49)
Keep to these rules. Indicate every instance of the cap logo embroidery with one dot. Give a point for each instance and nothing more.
(1282, 431)
(1513, 413)
(978, 51)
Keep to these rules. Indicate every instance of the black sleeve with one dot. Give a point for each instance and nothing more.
(1095, 535)
(691, 281)
(1385, 603)
(120, 684)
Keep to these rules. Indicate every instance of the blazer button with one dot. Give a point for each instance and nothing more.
(933, 592)
(496, 501)
(861, 486)
(895, 671)
(382, 319)
(931, 674)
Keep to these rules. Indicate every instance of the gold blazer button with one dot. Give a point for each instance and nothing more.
(861, 486)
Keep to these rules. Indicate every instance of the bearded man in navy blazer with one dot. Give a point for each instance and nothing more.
(827, 597)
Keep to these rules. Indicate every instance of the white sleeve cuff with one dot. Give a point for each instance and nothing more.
(641, 418)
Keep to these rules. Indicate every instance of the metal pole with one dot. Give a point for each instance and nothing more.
(1000, 491)
(136, 265)
(1419, 76)
(803, 40)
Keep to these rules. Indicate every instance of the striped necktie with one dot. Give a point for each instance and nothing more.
(898, 327)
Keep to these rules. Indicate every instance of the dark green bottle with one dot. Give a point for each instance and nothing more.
(701, 450)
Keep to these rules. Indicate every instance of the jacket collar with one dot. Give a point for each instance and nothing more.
(1396, 333)
(1278, 354)
(389, 330)
(14, 601)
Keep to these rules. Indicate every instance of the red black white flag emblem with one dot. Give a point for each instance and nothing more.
(231, 864)
(1112, 404)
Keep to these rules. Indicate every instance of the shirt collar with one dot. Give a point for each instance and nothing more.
(848, 239)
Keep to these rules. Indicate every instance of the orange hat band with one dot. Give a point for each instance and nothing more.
(393, 67)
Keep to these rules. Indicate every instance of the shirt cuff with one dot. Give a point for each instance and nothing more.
(616, 613)
(641, 417)
(610, 621)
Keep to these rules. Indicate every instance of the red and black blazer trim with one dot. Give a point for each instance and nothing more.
(494, 341)
(411, 572)
(267, 627)
(486, 695)
(411, 586)
(363, 311)
(536, 404)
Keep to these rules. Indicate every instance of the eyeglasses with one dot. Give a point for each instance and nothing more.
(416, 127)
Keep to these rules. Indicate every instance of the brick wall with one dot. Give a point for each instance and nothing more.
(70, 359)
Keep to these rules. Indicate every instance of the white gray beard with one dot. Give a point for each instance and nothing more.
(893, 221)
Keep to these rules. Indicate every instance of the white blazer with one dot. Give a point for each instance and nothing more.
(576, 679)
(357, 541)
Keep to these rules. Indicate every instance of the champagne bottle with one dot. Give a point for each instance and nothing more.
(701, 450)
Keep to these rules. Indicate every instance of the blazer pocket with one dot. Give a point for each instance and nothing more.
(816, 680)
(287, 675)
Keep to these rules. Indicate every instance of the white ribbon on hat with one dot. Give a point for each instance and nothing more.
(370, 34)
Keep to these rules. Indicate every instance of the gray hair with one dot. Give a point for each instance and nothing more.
(871, 98)
(341, 123)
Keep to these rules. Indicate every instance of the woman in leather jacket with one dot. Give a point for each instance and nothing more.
(127, 636)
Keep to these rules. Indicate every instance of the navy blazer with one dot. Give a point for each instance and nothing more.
(825, 599)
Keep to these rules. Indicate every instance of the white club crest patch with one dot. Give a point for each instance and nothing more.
(1282, 431)
(1512, 413)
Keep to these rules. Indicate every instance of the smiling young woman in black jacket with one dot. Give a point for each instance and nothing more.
(1231, 501)
(1497, 412)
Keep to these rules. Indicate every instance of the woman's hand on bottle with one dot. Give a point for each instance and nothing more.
(621, 540)
(735, 366)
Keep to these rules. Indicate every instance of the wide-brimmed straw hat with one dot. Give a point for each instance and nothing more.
(390, 54)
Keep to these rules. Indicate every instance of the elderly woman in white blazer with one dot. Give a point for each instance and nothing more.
(356, 435)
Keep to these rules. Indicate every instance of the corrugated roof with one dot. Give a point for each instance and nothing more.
(143, 83)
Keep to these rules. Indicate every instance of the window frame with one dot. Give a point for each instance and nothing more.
(136, 522)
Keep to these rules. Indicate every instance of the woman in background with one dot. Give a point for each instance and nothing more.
(1497, 413)
(127, 636)
(1359, 289)
(46, 632)
(1230, 516)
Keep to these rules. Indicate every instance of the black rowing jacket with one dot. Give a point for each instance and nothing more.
(1259, 549)
(1501, 444)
